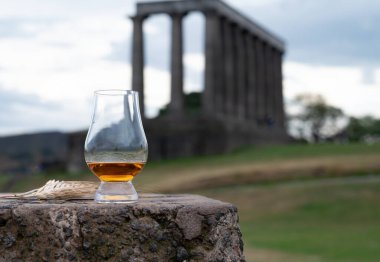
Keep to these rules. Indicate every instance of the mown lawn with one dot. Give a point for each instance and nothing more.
(317, 220)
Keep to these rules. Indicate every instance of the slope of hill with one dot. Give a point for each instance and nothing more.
(23, 154)
(308, 203)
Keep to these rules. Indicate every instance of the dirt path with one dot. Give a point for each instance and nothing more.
(194, 177)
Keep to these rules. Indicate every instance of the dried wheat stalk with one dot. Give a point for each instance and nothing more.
(62, 190)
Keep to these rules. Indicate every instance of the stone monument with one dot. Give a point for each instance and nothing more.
(242, 101)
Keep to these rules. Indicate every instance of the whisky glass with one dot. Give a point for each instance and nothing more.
(116, 149)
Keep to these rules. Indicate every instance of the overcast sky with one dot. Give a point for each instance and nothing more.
(54, 54)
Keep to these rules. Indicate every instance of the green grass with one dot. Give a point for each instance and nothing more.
(268, 153)
(3, 179)
(331, 219)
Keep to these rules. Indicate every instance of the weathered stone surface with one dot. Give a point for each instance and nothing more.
(156, 228)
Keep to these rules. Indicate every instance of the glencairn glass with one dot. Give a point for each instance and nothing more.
(116, 148)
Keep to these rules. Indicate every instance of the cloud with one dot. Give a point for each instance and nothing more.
(20, 28)
(342, 86)
(64, 9)
(194, 72)
(120, 51)
(13, 100)
(341, 32)
(48, 77)
(157, 35)
(19, 110)
(195, 62)
(56, 53)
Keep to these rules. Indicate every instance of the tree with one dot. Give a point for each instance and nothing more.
(316, 119)
(192, 104)
(358, 129)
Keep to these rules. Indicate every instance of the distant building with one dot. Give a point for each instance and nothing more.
(242, 101)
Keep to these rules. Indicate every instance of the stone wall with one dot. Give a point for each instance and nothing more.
(170, 138)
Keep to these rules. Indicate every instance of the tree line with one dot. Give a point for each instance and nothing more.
(313, 119)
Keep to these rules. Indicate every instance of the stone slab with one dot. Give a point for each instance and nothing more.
(156, 228)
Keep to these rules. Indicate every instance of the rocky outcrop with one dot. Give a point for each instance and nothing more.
(156, 228)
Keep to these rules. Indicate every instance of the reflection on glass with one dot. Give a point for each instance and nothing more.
(116, 149)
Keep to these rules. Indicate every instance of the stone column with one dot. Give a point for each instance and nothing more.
(269, 86)
(240, 73)
(251, 78)
(211, 98)
(260, 91)
(176, 106)
(276, 104)
(280, 113)
(229, 68)
(220, 84)
(138, 60)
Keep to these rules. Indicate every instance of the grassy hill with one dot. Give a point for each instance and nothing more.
(316, 220)
(296, 203)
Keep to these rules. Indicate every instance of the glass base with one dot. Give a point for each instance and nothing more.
(116, 192)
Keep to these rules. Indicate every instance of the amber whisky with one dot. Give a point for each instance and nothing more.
(115, 172)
